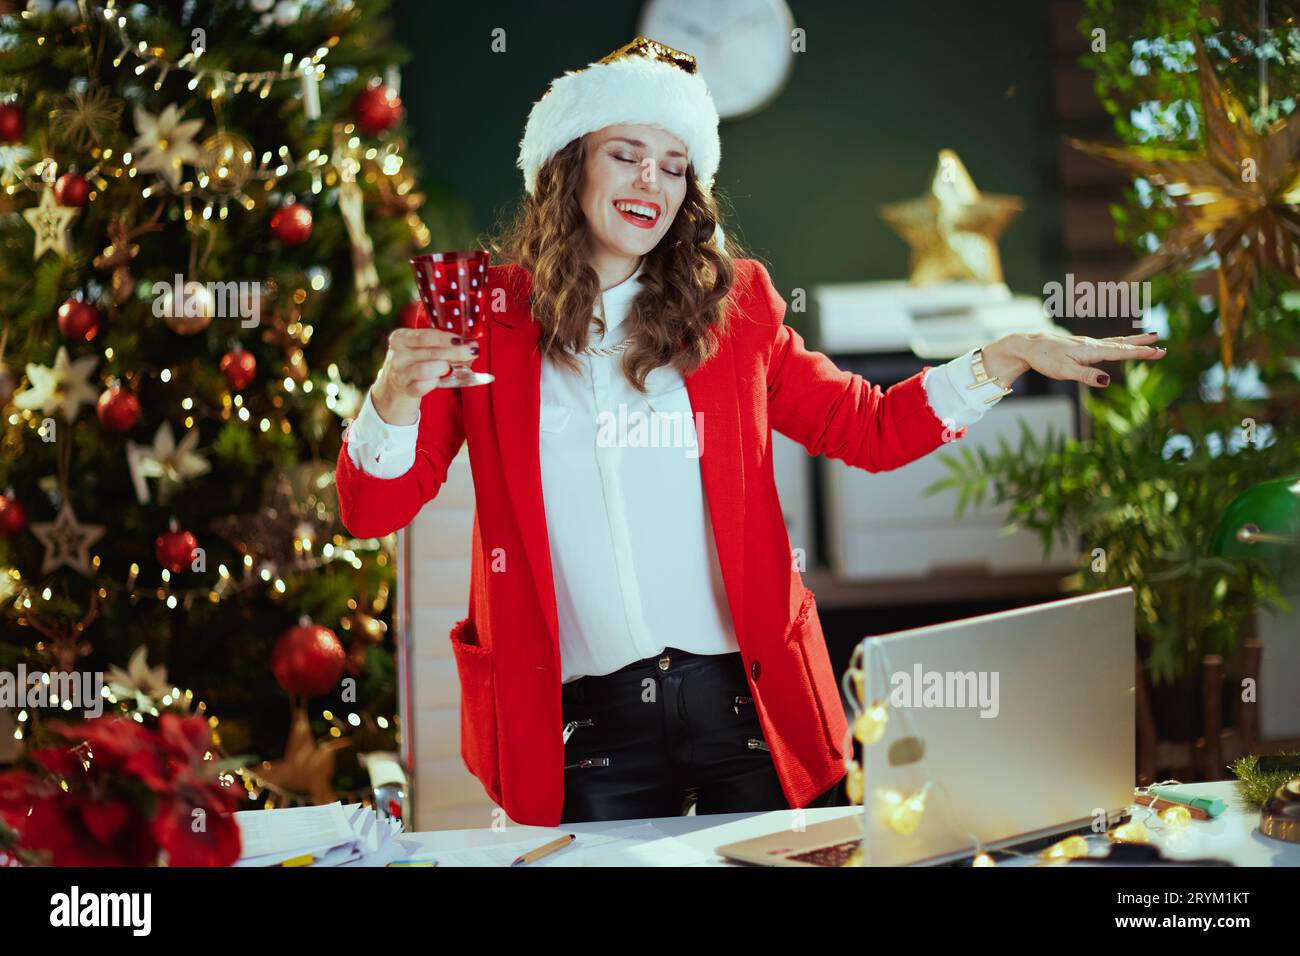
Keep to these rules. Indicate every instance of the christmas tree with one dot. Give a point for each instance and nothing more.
(205, 221)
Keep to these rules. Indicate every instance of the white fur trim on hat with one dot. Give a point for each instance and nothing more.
(631, 90)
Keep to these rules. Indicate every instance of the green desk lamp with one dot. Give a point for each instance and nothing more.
(1264, 522)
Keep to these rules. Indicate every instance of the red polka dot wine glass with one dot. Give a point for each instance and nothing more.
(453, 288)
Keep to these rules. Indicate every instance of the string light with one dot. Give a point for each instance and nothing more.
(296, 68)
(1132, 832)
(1071, 848)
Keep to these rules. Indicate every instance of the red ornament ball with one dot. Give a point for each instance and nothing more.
(174, 549)
(79, 321)
(72, 189)
(376, 109)
(12, 123)
(308, 660)
(291, 224)
(118, 409)
(239, 367)
(13, 517)
(414, 316)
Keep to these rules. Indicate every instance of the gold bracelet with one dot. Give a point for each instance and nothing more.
(982, 377)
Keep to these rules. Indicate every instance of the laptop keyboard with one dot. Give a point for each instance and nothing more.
(835, 855)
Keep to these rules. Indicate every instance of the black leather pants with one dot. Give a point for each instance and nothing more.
(661, 733)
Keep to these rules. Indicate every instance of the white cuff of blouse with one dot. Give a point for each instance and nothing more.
(378, 448)
(951, 397)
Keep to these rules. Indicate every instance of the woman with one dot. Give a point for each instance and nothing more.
(637, 636)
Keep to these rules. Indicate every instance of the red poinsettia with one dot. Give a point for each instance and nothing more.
(124, 794)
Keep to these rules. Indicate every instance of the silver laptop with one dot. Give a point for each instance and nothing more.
(1011, 727)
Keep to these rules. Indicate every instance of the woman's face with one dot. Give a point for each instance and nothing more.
(641, 165)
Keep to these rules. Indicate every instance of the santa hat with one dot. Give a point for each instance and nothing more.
(645, 83)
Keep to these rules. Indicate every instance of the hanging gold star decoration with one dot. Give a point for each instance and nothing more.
(307, 768)
(50, 221)
(1238, 197)
(953, 231)
(67, 541)
(283, 531)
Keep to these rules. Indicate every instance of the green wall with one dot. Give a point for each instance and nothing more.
(881, 88)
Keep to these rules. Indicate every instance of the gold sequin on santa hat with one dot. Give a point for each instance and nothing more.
(641, 83)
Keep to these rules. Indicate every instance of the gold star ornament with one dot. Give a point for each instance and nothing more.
(307, 768)
(67, 541)
(50, 221)
(1237, 197)
(953, 230)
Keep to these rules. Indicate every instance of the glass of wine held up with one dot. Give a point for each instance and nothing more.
(453, 288)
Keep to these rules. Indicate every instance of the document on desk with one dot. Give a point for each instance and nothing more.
(330, 834)
(639, 845)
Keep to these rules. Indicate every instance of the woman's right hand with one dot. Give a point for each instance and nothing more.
(416, 360)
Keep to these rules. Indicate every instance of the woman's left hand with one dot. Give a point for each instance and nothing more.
(1066, 357)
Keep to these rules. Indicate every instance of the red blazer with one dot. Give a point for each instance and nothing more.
(507, 651)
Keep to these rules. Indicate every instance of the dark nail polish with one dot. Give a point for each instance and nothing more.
(456, 340)
(1103, 378)
(473, 349)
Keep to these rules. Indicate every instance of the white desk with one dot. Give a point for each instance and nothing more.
(1233, 836)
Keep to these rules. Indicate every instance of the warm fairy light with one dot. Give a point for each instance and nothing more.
(1071, 848)
(1177, 816)
(1131, 832)
(869, 726)
(165, 375)
(983, 859)
(902, 814)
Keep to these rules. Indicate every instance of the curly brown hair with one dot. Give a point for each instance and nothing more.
(686, 280)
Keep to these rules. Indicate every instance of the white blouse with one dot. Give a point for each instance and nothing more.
(632, 550)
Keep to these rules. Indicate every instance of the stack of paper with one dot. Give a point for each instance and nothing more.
(327, 835)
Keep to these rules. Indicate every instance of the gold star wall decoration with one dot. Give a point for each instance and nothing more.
(50, 221)
(953, 230)
(67, 541)
(1238, 197)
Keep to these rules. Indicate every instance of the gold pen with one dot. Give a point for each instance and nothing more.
(541, 851)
